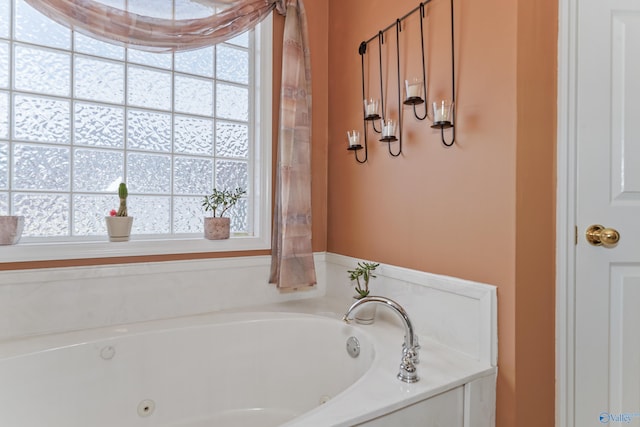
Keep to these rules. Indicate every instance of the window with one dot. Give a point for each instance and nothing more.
(78, 116)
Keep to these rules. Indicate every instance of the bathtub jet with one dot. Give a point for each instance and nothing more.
(408, 371)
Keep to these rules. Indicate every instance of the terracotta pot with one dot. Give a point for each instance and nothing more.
(11, 227)
(119, 228)
(217, 228)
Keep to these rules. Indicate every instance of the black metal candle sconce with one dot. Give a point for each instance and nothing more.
(443, 112)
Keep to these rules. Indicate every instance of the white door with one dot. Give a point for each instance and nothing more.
(607, 279)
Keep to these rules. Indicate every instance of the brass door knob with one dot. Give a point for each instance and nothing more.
(597, 235)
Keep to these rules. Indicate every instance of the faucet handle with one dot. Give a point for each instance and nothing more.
(408, 371)
(412, 352)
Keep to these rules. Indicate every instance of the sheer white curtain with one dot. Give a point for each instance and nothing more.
(175, 25)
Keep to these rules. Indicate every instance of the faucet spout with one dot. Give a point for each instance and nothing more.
(410, 348)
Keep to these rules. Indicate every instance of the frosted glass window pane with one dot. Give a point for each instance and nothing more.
(97, 170)
(240, 40)
(232, 102)
(239, 217)
(4, 65)
(98, 125)
(152, 214)
(43, 71)
(32, 26)
(231, 174)
(148, 173)
(99, 80)
(4, 204)
(40, 167)
(149, 88)
(4, 166)
(232, 64)
(193, 9)
(5, 13)
(232, 140)
(148, 131)
(47, 214)
(152, 59)
(198, 62)
(194, 96)
(188, 215)
(4, 115)
(61, 163)
(192, 176)
(193, 136)
(86, 44)
(41, 119)
(89, 212)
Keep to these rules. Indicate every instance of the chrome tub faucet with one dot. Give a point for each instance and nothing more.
(408, 371)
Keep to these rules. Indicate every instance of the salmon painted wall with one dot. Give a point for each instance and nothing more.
(535, 205)
(467, 210)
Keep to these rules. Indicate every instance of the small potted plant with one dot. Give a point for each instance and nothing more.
(360, 277)
(119, 222)
(217, 226)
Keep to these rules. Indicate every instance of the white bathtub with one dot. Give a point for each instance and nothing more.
(257, 369)
(236, 369)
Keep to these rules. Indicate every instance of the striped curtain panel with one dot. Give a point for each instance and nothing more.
(292, 266)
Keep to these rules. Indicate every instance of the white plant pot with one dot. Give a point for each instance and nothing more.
(11, 227)
(217, 228)
(366, 314)
(119, 228)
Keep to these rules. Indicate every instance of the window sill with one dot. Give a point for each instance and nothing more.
(25, 251)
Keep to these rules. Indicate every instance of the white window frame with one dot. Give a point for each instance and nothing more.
(261, 238)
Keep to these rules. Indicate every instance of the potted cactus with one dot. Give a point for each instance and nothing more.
(119, 222)
(217, 226)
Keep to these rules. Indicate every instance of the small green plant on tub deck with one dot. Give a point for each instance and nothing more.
(220, 201)
(361, 275)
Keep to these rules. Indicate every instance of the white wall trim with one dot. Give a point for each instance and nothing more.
(565, 212)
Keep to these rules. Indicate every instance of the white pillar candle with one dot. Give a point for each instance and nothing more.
(388, 128)
(414, 88)
(442, 111)
(371, 107)
(354, 138)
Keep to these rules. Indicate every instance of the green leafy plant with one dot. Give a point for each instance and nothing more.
(220, 201)
(122, 194)
(361, 276)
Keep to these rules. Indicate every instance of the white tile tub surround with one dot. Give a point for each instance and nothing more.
(457, 313)
(51, 300)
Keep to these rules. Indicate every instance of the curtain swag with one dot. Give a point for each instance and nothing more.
(175, 32)
(292, 264)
